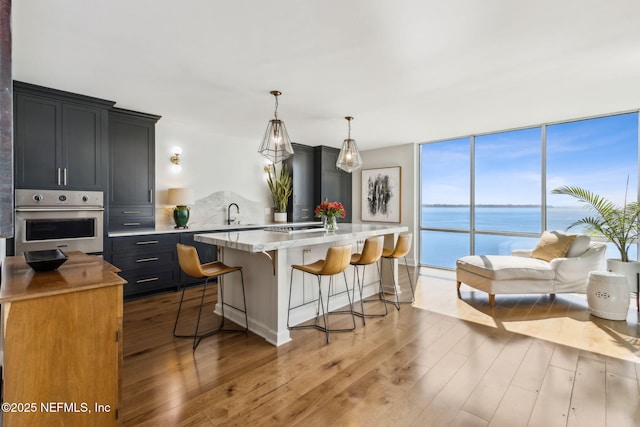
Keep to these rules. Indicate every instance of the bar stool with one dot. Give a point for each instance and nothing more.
(371, 253)
(190, 264)
(400, 251)
(335, 262)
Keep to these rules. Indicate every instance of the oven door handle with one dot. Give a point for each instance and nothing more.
(96, 209)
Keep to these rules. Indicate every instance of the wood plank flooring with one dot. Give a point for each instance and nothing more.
(532, 360)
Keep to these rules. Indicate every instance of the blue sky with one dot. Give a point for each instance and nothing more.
(597, 154)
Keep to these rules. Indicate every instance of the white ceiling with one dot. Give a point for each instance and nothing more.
(407, 70)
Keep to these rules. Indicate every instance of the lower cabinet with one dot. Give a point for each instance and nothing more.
(150, 264)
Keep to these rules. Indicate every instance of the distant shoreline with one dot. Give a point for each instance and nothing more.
(437, 205)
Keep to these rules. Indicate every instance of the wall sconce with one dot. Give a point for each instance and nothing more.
(175, 159)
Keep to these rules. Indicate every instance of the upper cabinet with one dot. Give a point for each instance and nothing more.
(131, 169)
(316, 178)
(302, 202)
(60, 138)
(331, 183)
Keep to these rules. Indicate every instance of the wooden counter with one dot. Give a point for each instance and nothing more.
(62, 343)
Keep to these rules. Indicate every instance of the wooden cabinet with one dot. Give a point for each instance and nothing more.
(60, 138)
(302, 201)
(131, 170)
(330, 182)
(149, 263)
(62, 342)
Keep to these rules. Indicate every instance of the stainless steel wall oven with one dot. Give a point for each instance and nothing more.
(57, 219)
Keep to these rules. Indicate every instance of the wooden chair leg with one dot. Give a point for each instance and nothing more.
(458, 289)
(492, 300)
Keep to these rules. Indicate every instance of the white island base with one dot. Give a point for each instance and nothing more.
(266, 258)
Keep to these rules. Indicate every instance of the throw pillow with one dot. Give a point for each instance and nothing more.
(579, 246)
(552, 245)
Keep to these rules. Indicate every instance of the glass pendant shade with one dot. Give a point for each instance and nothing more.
(349, 158)
(276, 144)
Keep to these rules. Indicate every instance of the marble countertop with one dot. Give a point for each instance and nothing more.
(207, 228)
(266, 240)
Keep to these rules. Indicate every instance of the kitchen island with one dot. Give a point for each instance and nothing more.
(266, 257)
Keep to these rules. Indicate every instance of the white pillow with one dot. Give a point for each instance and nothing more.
(579, 246)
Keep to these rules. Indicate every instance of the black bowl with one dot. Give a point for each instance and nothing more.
(47, 260)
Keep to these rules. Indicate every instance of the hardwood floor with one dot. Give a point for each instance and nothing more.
(530, 361)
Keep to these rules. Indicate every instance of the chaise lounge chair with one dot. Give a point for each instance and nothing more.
(559, 263)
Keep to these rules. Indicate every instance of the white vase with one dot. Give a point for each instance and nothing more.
(279, 217)
(629, 269)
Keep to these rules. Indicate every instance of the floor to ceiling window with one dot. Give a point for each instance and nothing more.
(491, 193)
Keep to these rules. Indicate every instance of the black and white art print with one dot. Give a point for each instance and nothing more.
(381, 194)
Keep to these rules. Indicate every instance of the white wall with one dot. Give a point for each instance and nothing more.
(210, 162)
(406, 157)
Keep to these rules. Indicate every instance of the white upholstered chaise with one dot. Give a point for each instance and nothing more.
(521, 273)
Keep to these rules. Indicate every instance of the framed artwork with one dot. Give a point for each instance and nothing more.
(381, 194)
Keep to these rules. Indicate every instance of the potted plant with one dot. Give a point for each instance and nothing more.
(280, 186)
(619, 224)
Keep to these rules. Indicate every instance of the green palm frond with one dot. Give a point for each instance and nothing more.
(618, 224)
(280, 186)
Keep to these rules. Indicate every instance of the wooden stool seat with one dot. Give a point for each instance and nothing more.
(190, 265)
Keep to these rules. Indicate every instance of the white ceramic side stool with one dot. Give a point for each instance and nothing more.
(608, 295)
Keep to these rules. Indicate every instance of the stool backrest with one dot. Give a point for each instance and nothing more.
(337, 260)
(189, 261)
(372, 250)
(403, 245)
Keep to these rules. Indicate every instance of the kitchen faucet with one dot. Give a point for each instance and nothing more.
(229, 220)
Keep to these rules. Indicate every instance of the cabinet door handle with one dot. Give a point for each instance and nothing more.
(59, 178)
(150, 279)
(65, 176)
(128, 224)
(148, 242)
(150, 196)
(130, 212)
(155, 258)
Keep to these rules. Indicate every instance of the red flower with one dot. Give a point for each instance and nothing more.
(330, 209)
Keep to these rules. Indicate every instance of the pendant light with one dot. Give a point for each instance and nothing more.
(349, 157)
(276, 144)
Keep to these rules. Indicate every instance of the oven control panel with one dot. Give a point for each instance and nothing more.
(60, 198)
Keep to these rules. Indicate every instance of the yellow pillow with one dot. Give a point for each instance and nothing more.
(552, 245)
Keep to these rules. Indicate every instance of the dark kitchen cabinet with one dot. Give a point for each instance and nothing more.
(302, 201)
(149, 263)
(60, 138)
(131, 170)
(331, 183)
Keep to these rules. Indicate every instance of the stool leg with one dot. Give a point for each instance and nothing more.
(324, 313)
(413, 295)
(175, 325)
(196, 338)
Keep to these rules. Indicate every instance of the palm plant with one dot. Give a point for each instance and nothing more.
(280, 186)
(619, 224)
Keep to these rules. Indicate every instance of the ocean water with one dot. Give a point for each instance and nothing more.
(443, 248)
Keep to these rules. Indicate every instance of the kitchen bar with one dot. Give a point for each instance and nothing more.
(266, 257)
